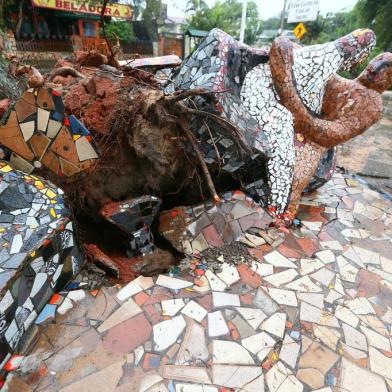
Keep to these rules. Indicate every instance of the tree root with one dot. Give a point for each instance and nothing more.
(35, 78)
(64, 72)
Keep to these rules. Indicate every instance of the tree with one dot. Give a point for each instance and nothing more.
(122, 30)
(376, 14)
(152, 16)
(225, 16)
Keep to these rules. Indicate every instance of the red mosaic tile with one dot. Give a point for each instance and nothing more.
(127, 335)
(308, 245)
(153, 315)
(205, 301)
(368, 283)
(246, 299)
(248, 276)
(212, 236)
(256, 252)
(288, 252)
(141, 298)
(235, 335)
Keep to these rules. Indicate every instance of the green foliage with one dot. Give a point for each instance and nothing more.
(225, 16)
(376, 14)
(152, 16)
(122, 30)
(272, 24)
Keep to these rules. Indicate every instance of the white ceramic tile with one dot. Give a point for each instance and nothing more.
(167, 332)
(170, 307)
(346, 315)
(226, 352)
(380, 363)
(283, 297)
(136, 286)
(229, 274)
(27, 129)
(184, 387)
(376, 340)
(253, 317)
(326, 256)
(275, 324)
(329, 336)
(289, 351)
(239, 375)
(314, 299)
(193, 349)
(347, 271)
(262, 269)
(258, 342)
(280, 379)
(42, 119)
(356, 379)
(354, 338)
(278, 260)
(193, 310)
(216, 284)
(194, 374)
(225, 299)
(172, 283)
(310, 265)
(304, 284)
(84, 149)
(281, 277)
(127, 310)
(323, 276)
(217, 325)
(360, 306)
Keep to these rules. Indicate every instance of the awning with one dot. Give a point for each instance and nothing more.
(196, 33)
(112, 9)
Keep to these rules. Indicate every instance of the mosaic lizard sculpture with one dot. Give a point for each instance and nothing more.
(349, 108)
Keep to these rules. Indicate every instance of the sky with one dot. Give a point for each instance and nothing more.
(267, 8)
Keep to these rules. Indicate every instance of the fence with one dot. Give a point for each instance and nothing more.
(44, 46)
(141, 47)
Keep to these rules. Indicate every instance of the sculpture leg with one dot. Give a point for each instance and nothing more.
(134, 217)
(307, 157)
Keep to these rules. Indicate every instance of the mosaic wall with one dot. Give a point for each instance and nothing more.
(38, 133)
(193, 230)
(38, 255)
(245, 90)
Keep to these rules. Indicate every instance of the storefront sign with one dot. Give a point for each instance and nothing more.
(303, 11)
(116, 10)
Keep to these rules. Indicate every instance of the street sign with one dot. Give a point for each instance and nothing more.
(303, 10)
(299, 30)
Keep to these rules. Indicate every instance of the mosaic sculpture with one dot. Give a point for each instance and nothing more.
(347, 109)
(38, 254)
(38, 133)
(242, 81)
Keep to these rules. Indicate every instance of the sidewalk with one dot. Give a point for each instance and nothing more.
(312, 312)
(370, 155)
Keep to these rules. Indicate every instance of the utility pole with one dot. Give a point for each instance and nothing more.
(282, 15)
(243, 20)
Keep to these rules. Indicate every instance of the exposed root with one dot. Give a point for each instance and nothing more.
(64, 72)
(35, 79)
(202, 163)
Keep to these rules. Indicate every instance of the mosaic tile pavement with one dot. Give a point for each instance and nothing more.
(312, 312)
